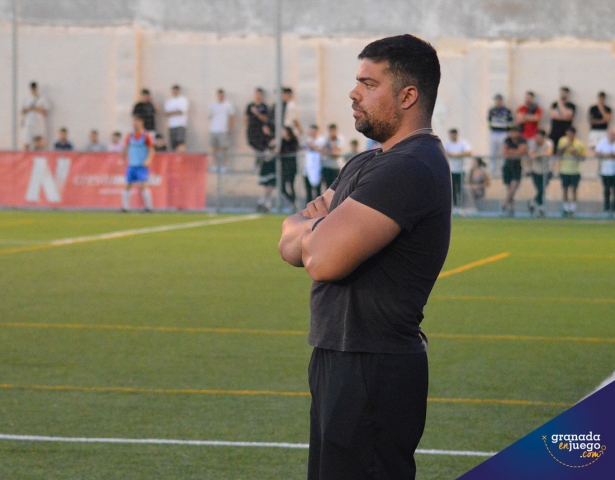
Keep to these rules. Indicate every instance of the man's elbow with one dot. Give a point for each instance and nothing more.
(319, 268)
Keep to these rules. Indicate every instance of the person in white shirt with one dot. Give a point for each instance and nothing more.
(176, 111)
(456, 151)
(34, 110)
(94, 145)
(605, 151)
(222, 121)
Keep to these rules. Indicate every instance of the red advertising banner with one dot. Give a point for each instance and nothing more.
(96, 180)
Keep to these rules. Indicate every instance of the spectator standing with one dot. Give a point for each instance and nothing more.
(256, 120)
(478, 182)
(147, 110)
(540, 153)
(605, 151)
(571, 152)
(116, 144)
(599, 117)
(176, 111)
(500, 120)
(34, 110)
(291, 112)
(515, 148)
(562, 112)
(94, 145)
(331, 150)
(288, 158)
(312, 170)
(139, 149)
(221, 122)
(63, 144)
(159, 145)
(456, 151)
(528, 115)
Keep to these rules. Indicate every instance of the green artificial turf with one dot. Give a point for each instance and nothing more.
(214, 308)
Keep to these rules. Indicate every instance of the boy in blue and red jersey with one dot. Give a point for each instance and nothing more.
(139, 148)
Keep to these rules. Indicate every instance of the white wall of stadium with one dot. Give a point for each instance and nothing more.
(92, 76)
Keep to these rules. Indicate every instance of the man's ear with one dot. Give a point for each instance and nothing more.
(408, 96)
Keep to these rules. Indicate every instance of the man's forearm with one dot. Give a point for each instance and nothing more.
(294, 229)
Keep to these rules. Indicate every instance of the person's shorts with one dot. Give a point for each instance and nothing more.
(267, 173)
(570, 180)
(137, 174)
(177, 137)
(511, 171)
(218, 139)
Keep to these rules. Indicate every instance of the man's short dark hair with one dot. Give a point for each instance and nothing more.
(33, 85)
(314, 126)
(565, 89)
(259, 89)
(175, 87)
(453, 130)
(158, 136)
(541, 132)
(117, 134)
(571, 129)
(220, 90)
(411, 61)
(287, 90)
(63, 130)
(94, 131)
(332, 126)
(602, 94)
(530, 93)
(145, 91)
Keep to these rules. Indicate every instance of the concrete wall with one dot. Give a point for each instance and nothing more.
(472, 19)
(92, 76)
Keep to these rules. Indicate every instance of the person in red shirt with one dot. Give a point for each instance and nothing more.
(528, 115)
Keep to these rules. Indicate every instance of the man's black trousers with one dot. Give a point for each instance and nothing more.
(367, 415)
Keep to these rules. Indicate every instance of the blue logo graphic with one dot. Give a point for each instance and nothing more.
(576, 445)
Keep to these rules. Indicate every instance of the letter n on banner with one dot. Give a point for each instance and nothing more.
(41, 179)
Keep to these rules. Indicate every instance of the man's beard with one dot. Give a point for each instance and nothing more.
(376, 129)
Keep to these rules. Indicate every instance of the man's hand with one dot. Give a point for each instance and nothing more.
(316, 208)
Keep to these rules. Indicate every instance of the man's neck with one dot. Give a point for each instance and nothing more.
(405, 131)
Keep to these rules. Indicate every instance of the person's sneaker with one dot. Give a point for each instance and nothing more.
(565, 213)
(148, 210)
(541, 212)
(123, 210)
(531, 207)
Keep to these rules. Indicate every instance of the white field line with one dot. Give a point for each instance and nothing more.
(161, 228)
(208, 443)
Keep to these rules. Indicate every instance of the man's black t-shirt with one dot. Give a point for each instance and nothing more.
(378, 308)
(147, 112)
(558, 127)
(596, 114)
(513, 145)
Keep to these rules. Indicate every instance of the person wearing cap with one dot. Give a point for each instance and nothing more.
(528, 115)
(500, 119)
(571, 152)
(34, 110)
(176, 111)
(599, 117)
(515, 148)
(562, 112)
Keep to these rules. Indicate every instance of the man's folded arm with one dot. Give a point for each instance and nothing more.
(347, 237)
